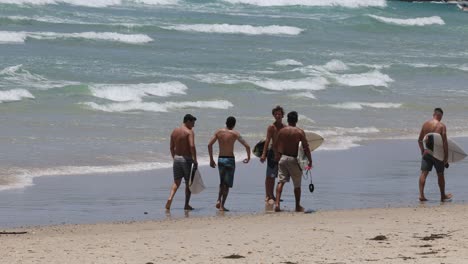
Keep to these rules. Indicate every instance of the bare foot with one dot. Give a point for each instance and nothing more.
(447, 197)
(277, 209)
(271, 201)
(168, 204)
(188, 207)
(422, 199)
(224, 209)
(300, 209)
(218, 205)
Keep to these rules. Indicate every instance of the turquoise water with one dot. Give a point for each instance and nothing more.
(97, 87)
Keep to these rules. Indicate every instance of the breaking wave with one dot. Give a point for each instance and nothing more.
(342, 3)
(359, 105)
(135, 92)
(15, 95)
(421, 21)
(158, 107)
(20, 37)
(238, 29)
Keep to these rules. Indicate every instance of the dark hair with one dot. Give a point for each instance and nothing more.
(292, 117)
(277, 108)
(439, 110)
(231, 122)
(189, 117)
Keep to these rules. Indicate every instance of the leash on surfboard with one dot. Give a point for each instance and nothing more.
(306, 176)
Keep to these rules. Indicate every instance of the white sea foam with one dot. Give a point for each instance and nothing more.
(374, 78)
(15, 95)
(238, 29)
(343, 3)
(18, 76)
(21, 37)
(135, 92)
(360, 105)
(336, 65)
(288, 62)
(7, 37)
(305, 95)
(158, 107)
(420, 21)
(89, 3)
(341, 138)
(314, 84)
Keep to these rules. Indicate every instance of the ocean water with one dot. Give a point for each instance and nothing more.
(90, 87)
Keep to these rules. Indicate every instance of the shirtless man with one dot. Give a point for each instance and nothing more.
(288, 166)
(269, 153)
(434, 125)
(184, 154)
(226, 138)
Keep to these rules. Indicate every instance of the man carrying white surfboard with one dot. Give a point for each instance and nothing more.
(288, 165)
(428, 161)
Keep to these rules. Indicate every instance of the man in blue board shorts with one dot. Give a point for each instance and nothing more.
(184, 154)
(226, 138)
(428, 161)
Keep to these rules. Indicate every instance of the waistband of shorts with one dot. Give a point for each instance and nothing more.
(291, 156)
(225, 157)
(188, 158)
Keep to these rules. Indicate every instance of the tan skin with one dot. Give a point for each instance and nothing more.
(272, 134)
(182, 144)
(433, 126)
(226, 138)
(287, 144)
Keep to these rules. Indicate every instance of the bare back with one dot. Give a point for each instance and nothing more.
(432, 126)
(181, 141)
(226, 139)
(288, 140)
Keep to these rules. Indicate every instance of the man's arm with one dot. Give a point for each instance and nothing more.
(210, 149)
(193, 150)
(172, 146)
(444, 142)
(247, 147)
(420, 140)
(305, 146)
(267, 143)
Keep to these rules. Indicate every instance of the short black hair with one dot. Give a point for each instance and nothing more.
(292, 117)
(189, 117)
(277, 108)
(439, 110)
(230, 122)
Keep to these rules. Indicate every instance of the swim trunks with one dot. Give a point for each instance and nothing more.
(428, 161)
(272, 165)
(226, 168)
(181, 168)
(288, 168)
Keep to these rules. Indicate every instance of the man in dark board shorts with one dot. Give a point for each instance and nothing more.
(269, 153)
(184, 154)
(226, 138)
(428, 161)
(288, 165)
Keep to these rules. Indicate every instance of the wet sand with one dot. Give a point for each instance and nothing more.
(423, 234)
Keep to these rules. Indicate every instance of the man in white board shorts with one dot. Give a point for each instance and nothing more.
(428, 161)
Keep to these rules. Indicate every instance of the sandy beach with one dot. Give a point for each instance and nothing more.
(424, 234)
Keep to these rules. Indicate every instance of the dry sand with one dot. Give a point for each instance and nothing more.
(437, 234)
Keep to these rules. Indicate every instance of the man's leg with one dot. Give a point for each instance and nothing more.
(174, 188)
(279, 190)
(188, 193)
(297, 195)
(224, 197)
(269, 187)
(441, 180)
(422, 183)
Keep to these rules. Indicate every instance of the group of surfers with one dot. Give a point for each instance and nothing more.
(280, 151)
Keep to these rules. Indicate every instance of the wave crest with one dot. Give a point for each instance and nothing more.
(158, 107)
(343, 3)
(135, 92)
(238, 29)
(420, 21)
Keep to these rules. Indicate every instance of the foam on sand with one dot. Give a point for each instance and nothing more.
(420, 21)
(158, 107)
(21, 37)
(238, 29)
(15, 95)
(360, 105)
(135, 92)
(343, 3)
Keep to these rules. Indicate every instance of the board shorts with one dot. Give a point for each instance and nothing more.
(182, 167)
(272, 165)
(288, 168)
(428, 161)
(226, 168)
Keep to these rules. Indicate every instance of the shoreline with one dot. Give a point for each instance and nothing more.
(385, 235)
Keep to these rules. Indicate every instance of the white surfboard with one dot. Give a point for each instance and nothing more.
(314, 140)
(433, 143)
